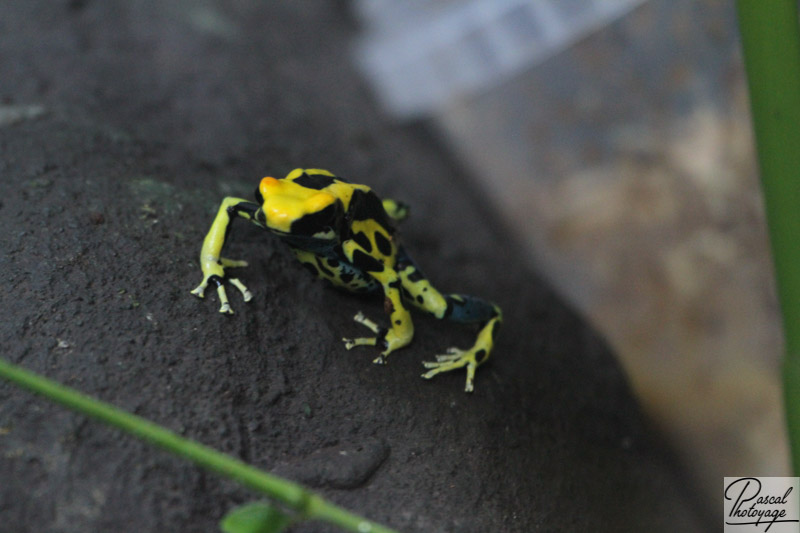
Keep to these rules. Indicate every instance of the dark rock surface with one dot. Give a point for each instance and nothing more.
(122, 125)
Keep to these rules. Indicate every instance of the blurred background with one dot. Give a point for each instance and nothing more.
(614, 139)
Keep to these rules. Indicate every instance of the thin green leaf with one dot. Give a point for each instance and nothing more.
(771, 44)
(255, 517)
(307, 504)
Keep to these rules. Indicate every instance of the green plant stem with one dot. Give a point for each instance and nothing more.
(308, 505)
(771, 45)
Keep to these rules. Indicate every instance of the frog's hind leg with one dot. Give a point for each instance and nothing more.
(468, 309)
(454, 307)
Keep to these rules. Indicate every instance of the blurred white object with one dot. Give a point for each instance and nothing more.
(421, 54)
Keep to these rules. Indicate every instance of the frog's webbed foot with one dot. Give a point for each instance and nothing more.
(454, 359)
(366, 341)
(218, 278)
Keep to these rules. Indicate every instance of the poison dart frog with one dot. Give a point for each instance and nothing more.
(344, 233)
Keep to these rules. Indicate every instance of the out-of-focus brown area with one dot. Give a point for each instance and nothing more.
(626, 167)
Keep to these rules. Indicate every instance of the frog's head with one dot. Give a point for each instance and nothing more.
(292, 209)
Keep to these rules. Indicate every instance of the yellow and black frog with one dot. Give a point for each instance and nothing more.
(345, 234)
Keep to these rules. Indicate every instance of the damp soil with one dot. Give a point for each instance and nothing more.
(122, 126)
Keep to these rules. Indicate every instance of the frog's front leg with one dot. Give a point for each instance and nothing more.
(212, 264)
(397, 211)
(401, 329)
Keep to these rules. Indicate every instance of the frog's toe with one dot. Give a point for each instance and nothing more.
(451, 354)
(364, 341)
(224, 304)
(361, 319)
(246, 294)
(232, 263)
(360, 341)
(219, 281)
(200, 290)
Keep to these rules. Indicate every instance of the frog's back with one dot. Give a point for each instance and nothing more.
(324, 180)
(359, 201)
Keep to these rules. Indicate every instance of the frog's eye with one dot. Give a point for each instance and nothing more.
(259, 196)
